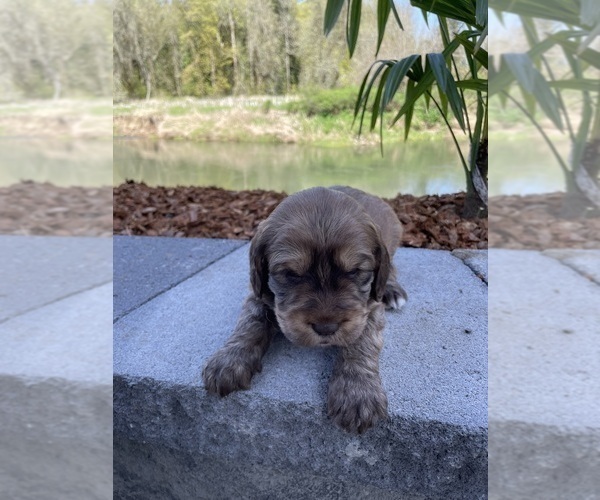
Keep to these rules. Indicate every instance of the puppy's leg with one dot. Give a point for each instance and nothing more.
(356, 399)
(394, 296)
(232, 367)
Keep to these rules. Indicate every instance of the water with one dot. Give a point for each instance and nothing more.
(417, 168)
(62, 163)
(518, 166)
(525, 166)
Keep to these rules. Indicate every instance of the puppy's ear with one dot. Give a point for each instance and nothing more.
(259, 266)
(382, 270)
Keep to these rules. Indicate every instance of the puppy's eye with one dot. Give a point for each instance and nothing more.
(354, 273)
(290, 275)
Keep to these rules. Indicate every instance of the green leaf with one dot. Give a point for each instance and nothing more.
(332, 13)
(397, 73)
(530, 102)
(481, 13)
(582, 84)
(564, 11)
(470, 48)
(383, 13)
(425, 17)
(443, 102)
(590, 56)
(589, 39)
(522, 68)
(353, 24)
(477, 84)
(460, 10)
(447, 85)
(444, 31)
(481, 39)
(410, 85)
(363, 97)
(396, 15)
(377, 104)
(424, 83)
(535, 88)
(360, 92)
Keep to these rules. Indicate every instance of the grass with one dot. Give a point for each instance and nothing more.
(323, 117)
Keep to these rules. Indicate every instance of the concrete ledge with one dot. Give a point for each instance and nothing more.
(434, 368)
(146, 266)
(39, 270)
(56, 369)
(544, 356)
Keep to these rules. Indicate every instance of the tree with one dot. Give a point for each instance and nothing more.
(52, 49)
(323, 60)
(535, 74)
(458, 74)
(141, 31)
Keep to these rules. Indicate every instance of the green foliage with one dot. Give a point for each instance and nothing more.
(324, 102)
(457, 76)
(266, 106)
(426, 118)
(206, 48)
(178, 110)
(332, 103)
(535, 75)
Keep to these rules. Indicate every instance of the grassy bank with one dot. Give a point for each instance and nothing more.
(57, 119)
(320, 118)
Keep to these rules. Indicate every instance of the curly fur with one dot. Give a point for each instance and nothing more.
(321, 273)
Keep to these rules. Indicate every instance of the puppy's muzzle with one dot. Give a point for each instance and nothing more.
(325, 329)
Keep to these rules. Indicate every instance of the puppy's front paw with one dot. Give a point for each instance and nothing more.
(355, 404)
(394, 296)
(229, 370)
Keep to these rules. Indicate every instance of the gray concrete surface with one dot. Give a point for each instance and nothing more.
(38, 270)
(433, 366)
(544, 374)
(146, 266)
(56, 369)
(585, 262)
(476, 260)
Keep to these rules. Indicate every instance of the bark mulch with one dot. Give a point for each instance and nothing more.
(521, 222)
(535, 222)
(31, 208)
(429, 221)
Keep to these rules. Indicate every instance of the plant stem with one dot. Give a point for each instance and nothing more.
(462, 158)
(535, 123)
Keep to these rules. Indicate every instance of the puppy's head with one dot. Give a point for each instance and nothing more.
(320, 263)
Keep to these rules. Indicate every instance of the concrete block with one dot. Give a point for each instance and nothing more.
(69, 339)
(38, 270)
(586, 262)
(147, 266)
(56, 378)
(434, 367)
(544, 369)
(476, 260)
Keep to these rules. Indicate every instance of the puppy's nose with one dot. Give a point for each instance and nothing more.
(325, 328)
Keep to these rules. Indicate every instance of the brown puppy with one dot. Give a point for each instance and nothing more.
(321, 273)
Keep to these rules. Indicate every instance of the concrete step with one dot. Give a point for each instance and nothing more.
(433, 366)
(544, 369)
(56, 368)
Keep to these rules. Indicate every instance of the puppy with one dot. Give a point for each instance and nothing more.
(321, 273)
